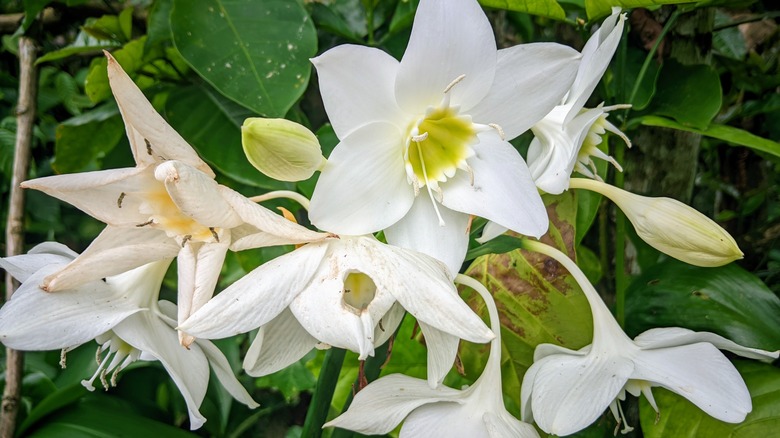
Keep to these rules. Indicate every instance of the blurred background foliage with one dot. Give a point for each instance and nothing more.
(705, 122)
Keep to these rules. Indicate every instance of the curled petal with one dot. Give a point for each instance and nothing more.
(221, 367)
(442, 350)
(676, 336)
(278, 344)
(21, 267)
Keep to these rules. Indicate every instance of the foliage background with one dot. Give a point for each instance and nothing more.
(706, 110)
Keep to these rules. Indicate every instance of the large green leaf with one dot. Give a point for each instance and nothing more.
(538, 300)
(205, 124)
(726, 300)
(726, 133)
(679, 418)
(600, 8)
(690, 94)
(83, 140)
(254, 52)
(544, 8)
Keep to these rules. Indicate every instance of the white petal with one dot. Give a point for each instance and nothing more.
(37, 320)
(442, 350)
(258, 297)
(503, 425)
(420, 230)
(188, 368)
(21, 267)
(111, 196)
(491, 231)
(278, 344)
(263, 227)
(530, 80)
(445, 419)
(700, 373)
(357, 84)
(676, 336)
(389, 323)
(199, 265)
(145, 124)
(502, 190)
(114, 251)
(449, 38)
(196, 194)
(569, 393)
(221, 368)
(363, 187)
(384, 403)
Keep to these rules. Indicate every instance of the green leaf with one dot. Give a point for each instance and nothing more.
(290, 381)
(726, 300)
(83, 140)
(83, 44)
(159, 27)
(55, 401)
(625, 82)
(31, 10)
(690, 94)
(544, 8)
(256, 53)
(680, 418)
(130, 57)
(587, 209)
(600, 8)
(726, 133)
(202, 121)
(110, 27)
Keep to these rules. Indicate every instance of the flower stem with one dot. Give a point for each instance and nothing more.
(323, 394)
(667, 27)
(295, 196)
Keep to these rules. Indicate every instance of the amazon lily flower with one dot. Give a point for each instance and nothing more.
(347, 293)
(569, 135)
(122, 313)
(167, 205)
(477, 411)
(566, 390)
(424, 141)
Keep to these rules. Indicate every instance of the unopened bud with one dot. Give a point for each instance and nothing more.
(671, 227)
(281, 149)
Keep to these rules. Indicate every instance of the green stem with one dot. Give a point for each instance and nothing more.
(323, 394)
(295, 196)
(621, 277)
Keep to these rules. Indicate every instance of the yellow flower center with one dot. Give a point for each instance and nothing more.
(359, 290)
(165, 214)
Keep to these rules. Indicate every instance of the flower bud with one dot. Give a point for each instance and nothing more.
(671, 227)
(281, 149)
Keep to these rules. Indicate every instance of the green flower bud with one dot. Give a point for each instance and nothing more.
(281, 149)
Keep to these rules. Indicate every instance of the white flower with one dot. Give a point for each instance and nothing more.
(565, 390)
(121, 313)
(168, 205)
(568, 136)
(348, 293)
(475, 412)
(435, 125)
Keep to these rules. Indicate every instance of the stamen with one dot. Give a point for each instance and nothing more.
(428, 186)
(185, 240)
(63, 357)
(103, 380)
(214, 234)
(420, 137)
(454, 83)
(498, 128)
(119, 201)
(149, 222)
(148, 147)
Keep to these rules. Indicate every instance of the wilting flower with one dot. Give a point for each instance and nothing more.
(475, 412)
(168, 205)
(569, 135)
(436, 123)
(565, 390)
(670, 226)
(122, 313)
(281, 149)
(348, 293)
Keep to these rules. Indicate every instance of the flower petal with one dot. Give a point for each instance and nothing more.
(449, 38)
(442, 350)
(389, 323)
(676, 336)
(258, 297)
(530, 80)
(700, 373)
(221, 368)
(491, 231)
(502, 189)
(420, 230)
(278, 344)
(357, 84)
(114, 251)
(569, 393)
(503, 425)
(363, 187)
(151, 138)
(111, 196)
(445, 418)
(199, 265)
(384, 403)
(22, 266)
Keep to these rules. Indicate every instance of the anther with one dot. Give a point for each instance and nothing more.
(119, 200)
(185, 240)
(454, 83)
(420, 137)
(498, 128)
(103, 380)
(214, 234)
(63, 358)
(149, 222)
(148, 147)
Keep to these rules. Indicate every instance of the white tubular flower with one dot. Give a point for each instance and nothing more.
(122, 314)
(670, 226)
(569, 135)
(348, 293)
(423, 142)
(565, 390)
(475, 412)
(168, 204)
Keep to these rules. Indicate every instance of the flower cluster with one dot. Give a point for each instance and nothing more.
(424, 148)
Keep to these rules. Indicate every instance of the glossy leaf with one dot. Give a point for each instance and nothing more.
(601, 8)
(83, 140)
(726, 300)
(54, 402)
(217, 138)
(681, 419)
(130, 57)
(726, 133)
(290, 381)
(544, 8)
(690, 94)
(256, 53)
